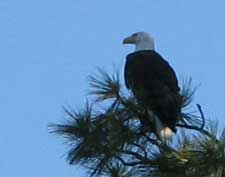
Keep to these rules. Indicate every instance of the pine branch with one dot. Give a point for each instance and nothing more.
(119, 141)
(104, 86)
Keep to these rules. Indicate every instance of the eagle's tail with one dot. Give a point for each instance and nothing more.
(163, 132)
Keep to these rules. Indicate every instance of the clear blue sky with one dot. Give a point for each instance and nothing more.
(49, 47)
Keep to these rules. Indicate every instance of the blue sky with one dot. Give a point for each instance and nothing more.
(49, 47)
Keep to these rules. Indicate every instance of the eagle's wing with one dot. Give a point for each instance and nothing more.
(147, 69)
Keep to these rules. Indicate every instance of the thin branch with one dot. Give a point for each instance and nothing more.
(199, 129)
(202, 116)
(135, 154)
(142, 148)
(126, 105)
(128, 163)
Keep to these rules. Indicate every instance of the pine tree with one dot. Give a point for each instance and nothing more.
(111, 136)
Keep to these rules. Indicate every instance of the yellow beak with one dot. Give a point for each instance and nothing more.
(129, 40)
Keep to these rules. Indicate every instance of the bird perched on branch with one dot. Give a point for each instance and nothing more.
(154, 84)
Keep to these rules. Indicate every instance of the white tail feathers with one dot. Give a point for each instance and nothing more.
(164, 133)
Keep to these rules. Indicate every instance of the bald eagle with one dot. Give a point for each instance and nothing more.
(154, 84)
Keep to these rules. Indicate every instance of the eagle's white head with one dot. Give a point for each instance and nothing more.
(141, 40)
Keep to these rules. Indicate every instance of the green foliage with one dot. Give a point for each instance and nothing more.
(118, 141)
